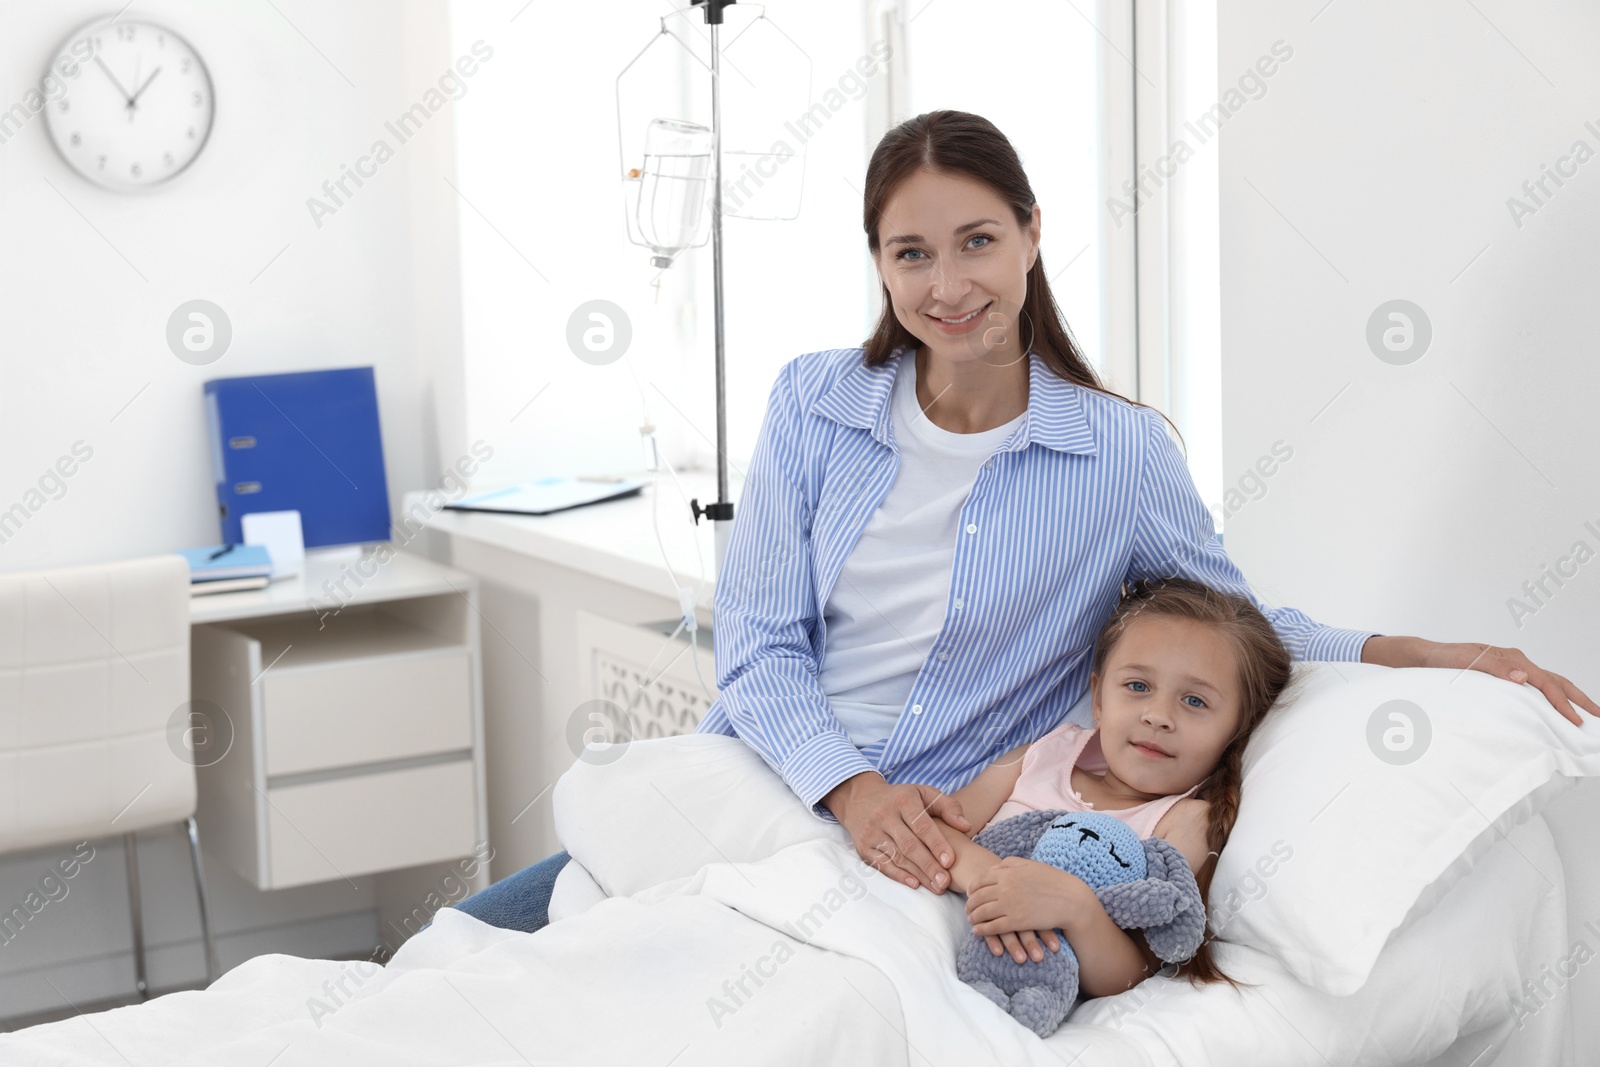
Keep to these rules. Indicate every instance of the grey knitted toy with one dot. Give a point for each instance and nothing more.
(1143, 885)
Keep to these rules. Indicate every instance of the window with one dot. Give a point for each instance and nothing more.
(1179, 349)
(1035, 72)
(542, 228)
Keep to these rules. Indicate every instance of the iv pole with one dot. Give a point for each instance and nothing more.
(721, 512)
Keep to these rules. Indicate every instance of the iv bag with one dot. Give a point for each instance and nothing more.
(671, 193)
(664, 94)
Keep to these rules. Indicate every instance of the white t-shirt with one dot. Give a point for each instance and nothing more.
(888, 604)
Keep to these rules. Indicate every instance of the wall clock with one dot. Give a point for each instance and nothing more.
(137, 110)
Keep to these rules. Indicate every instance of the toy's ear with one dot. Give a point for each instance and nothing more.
(1179, 937)
(1017, 835)
(1163, 860)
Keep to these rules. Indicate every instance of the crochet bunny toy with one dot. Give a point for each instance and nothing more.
(1145, 885)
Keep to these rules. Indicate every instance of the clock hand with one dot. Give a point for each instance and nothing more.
(113, 78)
(134, 99)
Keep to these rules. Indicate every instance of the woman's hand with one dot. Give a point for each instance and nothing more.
(1017, 903)
(1507, 663)
(893, 829)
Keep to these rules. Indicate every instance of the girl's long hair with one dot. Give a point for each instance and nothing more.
(967, 145)
(1265, 674)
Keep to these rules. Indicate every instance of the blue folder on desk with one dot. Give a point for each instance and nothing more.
(307, 442)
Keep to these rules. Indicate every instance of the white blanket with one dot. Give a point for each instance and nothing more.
(809, 957)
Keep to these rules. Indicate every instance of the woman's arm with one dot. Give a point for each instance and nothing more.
(766, 673)
(1509, 663)
(979, 800)
(1174, 529)
(1175, 533)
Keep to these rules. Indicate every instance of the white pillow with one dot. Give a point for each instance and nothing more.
(1340, 843)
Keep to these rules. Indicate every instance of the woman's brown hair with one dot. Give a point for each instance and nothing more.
(1265, 674)
(967, 145)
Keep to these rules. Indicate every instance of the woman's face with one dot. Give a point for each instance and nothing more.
(1173, 684)
(950, 248)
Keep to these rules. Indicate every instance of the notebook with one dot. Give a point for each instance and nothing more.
(209, 563)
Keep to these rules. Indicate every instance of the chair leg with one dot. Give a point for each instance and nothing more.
(130, 850)
(200, 894)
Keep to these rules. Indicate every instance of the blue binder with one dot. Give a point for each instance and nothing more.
(308, 441)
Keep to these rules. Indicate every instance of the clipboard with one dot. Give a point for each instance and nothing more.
(545, 496)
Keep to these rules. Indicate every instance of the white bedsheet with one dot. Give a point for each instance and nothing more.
(634, 980)
(1442, 988)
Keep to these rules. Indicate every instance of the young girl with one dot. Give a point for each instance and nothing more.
(1181, 675)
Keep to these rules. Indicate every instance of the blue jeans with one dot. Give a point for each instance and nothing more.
(520, 902)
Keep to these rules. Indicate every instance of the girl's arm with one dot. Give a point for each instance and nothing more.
(1017, 894)
(971, 859)
(982, 797)
(1111, 960)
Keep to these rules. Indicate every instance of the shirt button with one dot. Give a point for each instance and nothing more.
(959, 603)
(916, 709)
(972, 528)
(943, 656)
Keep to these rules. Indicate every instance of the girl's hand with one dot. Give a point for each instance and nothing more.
(1023, 897)
(1508, 663)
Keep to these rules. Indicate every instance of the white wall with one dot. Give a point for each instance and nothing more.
(1420, 498)
(82, 335)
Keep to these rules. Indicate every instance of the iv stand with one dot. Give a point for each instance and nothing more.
(721, 512)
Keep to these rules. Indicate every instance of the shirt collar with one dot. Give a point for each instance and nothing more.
(1054, 417)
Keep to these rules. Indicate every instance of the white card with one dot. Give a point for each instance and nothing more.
(279, 532)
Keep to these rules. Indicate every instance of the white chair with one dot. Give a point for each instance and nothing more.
(94, 683)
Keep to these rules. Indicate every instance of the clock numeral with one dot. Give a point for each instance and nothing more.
(198, 99)
(191, 133)
(184, 67)
(161, 40)
(125, 32)
(102, 162)
(65, 105)
(135, 171)
(76, 140)
(166, 157)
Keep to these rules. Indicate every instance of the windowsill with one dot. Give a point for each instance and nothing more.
(614, 539)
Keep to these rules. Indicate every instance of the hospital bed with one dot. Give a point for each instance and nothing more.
(703, 931)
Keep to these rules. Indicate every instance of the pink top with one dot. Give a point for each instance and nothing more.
(1046, 780)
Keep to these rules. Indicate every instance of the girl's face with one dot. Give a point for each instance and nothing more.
(1167, 704)
(950, 247)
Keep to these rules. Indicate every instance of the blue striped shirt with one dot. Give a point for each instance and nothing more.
(1087, 492)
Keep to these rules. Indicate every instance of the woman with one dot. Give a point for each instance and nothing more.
(934, 528)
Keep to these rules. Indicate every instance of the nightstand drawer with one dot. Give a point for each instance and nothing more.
(340, 714)
(350, 826)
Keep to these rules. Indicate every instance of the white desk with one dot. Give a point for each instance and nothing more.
(614, 540)
(404, 576)
(579, 604)
(354, 697)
